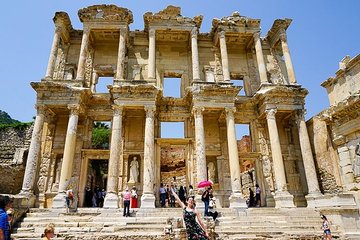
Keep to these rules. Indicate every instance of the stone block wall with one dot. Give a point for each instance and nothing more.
(14, 144)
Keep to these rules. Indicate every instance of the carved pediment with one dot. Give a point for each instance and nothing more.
(105, 13)
(236, 20)
(171, 15)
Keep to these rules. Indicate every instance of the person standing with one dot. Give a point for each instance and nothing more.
(133, 197)
(206, 199)
(163, 194)
(257, 196)
(251, 197)
(126, 197)
(195, 228)
(5, 204)
(326, 227)
(182, 194)
(69, 199)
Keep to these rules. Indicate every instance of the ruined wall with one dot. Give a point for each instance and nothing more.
(14, 144)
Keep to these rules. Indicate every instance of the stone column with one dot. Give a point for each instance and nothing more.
(200, 144)
(224, 56)
(195, 55)
(68, 157)
(121, 56)
(152, 53)
(260, 58)
(34, 151)
(282, 197)
(236, 198)
(82, 58)
(308, 160)
(148, 198)
(111, 199)
(53, 54)
(287, 57)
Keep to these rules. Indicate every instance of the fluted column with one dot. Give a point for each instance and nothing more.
(121, 56)
(195, 54)
(34, 151)
(260, 58)
(224, 56)
(308, 160)
(82, 58)
(287, 58)
(53, 54)
(148, 198)
(236, 199)
(68, 157)
(152, 52)
(282, 197)
(111, 199)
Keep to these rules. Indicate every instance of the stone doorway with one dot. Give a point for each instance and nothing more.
(97, 182)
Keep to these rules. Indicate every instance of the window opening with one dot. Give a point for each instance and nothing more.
(172, 87)
(101, 85)
(172, 130)
(239, 83)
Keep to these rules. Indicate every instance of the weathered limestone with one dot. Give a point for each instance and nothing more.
(224, 56)
(68, 160)
(111, 198)
(310, 172)
(236, 198)
(260, 58)
(82, 58)
(282, 197)
(148, 198)
(195, 54)
(152, 55)
(121, 57)
(34, 151)
(53, 53)
(287, 57)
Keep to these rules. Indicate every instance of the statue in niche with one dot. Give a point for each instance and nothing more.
(134, 171)
(211, 171)
(356, 167)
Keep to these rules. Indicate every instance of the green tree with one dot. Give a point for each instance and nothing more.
(100, 136)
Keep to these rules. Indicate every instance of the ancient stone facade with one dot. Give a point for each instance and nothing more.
(278, 154)
(336, 132)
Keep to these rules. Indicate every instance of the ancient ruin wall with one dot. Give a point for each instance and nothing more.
(14, 144)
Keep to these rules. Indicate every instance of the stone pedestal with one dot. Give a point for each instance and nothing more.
(237, 201)
(147, 200)
(111, 200)
(283, 199)
(59, 200)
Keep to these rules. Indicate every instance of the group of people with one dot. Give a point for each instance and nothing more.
(167, 198)
(130, 200)
(94, 198)
(254, 202)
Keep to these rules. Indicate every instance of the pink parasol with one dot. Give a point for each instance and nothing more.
(205, 183)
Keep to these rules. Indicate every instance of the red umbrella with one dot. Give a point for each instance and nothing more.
(205, 183)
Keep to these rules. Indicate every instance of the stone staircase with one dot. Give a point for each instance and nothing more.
(95, 223)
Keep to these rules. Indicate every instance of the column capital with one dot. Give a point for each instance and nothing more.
(270, 113)
(256, 36)
(282, 36)
(118, 109)
(300, 115)
(86, 30)
(74, 109)
(221, 34)
(41, 109)
(230, 111)
(198, 110)
(194, 33)
(152, 32)
(150, 110)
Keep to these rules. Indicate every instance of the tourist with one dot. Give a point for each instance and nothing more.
(206, 199)
(212, 205)
(69, 199)
(191, 192)
(133, 197)
(194, 229)
(162, 195)
(88, 197)
(182, 194)
(5, 204)
(251, 198)
(326, 227)
(127, 197)
(257, 196)
(172, 197)
(10, 214)
(48, 232)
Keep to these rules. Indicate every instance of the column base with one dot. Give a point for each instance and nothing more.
(311, 199)
(59, 200)
(284, 200)
(111, 201)
(147, 200)
(237, 200)
(28, 199)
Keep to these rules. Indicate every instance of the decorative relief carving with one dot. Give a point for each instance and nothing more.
(105, 13)
(273, 68)
(59, 64)
(270, 113)
(356, 164)
(88, 65)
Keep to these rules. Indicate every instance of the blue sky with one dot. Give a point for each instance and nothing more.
(321, 34)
